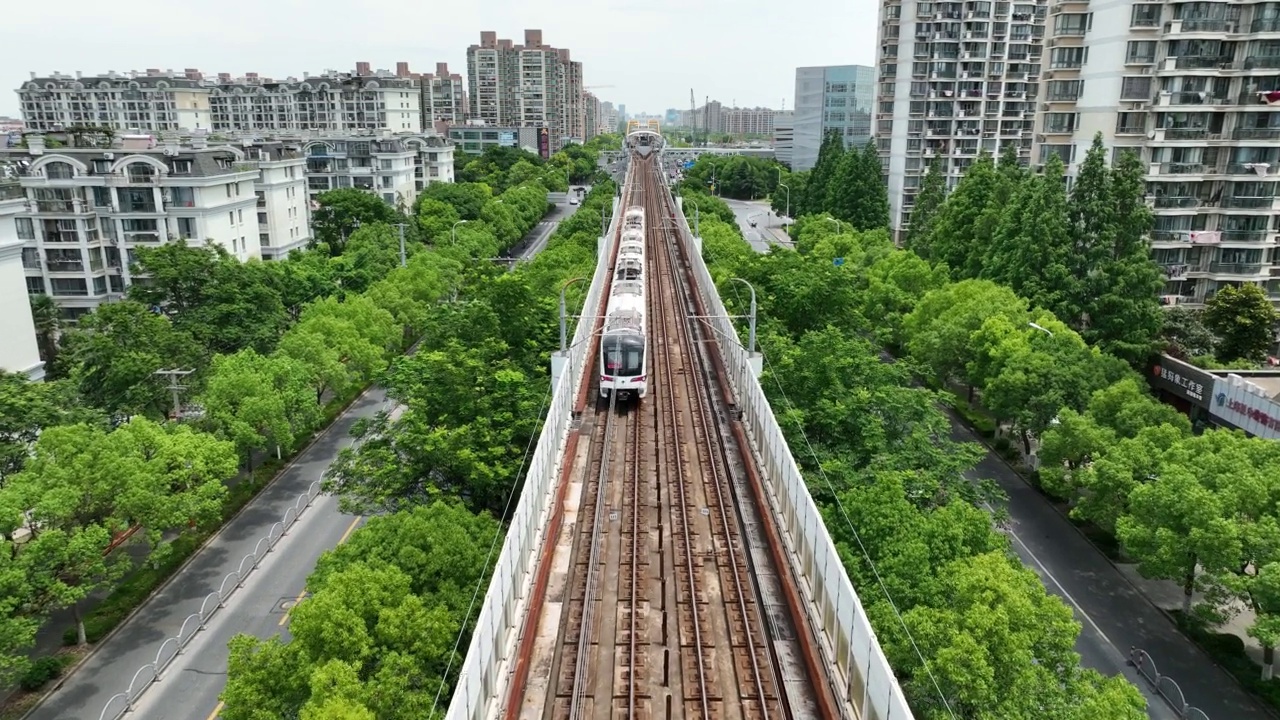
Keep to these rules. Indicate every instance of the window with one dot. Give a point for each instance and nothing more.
(181, 167)
(1136, 88)
(35, 286)
(1063, 58)
(1140, 52)
(1145, 15)
(186, 227)
(1064, 90)
(101, 167)
(1066, 152)
(240, 215)
(26, 229)
(102, 197)
(1131, 123)
(1059, 122)
(231, 217)
(59, 171)
(264, 239)
(1076, 24)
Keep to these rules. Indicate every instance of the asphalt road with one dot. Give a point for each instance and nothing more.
(536, 240)
(190, 686)
(758, 237)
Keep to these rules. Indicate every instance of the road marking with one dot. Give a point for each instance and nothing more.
(346, 534)
(1044, 569)
(216, 710)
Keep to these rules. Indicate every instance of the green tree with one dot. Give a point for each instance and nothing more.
(938, 330)
(1031, 252)
(933, 193)
(1185, 334)
(342, 211)
(1244, 321)
(895, 285)
(823, 175)
(259, 401)
(857, 193)
(791, 198)
(965, 226)
(28, 408)
(114, 352)
(48, 321)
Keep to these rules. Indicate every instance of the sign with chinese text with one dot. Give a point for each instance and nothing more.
(1259, 416)
(1182, 380)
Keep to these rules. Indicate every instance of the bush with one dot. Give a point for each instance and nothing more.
(1001, 445)
(1227, 650)
(44, 670)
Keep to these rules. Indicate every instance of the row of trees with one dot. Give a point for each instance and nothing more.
(83, 459)
(505, 167)
(910, 525)
(733, 176)
(376, 636)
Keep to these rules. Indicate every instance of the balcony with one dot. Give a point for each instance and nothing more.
(1199, 62)
(11, 191)
(1178, 168)
(1254, 62)
(142, 237)
(1220, 268)
(1260, 169)
(1176, 203)
(1202, 25)
(1246, 236)
(1248, 203)
(1192, 98)
(1263, 25)
(64, 266)
(1256, 134)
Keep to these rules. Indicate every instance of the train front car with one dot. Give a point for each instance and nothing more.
(623, 351)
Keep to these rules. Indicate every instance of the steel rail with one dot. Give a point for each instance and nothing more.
(668, 376)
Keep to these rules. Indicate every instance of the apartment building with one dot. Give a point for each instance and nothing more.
(382, 165)
(835, 98)
(444, 100)
(529, 85)
(1192, 87)
(19, 353)
(591, 115)
(92, 201)
(955, 78)
(747, 121)
(164, 101)
(609, 117)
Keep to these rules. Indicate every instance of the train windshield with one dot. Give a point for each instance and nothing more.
(623, 357)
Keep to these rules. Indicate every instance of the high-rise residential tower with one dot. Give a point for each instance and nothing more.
(955, 78)
(443, 100)
(529, 85)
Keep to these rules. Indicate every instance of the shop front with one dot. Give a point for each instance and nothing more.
(1184, 386)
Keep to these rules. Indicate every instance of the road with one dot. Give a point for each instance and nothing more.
(759, 237)
(189, 688)
(537, 238)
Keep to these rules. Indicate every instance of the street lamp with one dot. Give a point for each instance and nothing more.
(1041, 328)
(696, 214)
(837, 222)
(751, 341)
(784, 187)
(453, 232)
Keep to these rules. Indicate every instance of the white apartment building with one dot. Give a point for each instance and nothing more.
(609, 117)
(382, 165)
(93, 201)
(19, 353)
(954, 78)
(1193, 88)
(162, 101)
(747, 121)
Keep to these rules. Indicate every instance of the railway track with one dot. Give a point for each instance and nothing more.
(663, 619)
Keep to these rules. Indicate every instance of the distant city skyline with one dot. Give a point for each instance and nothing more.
(651, 53)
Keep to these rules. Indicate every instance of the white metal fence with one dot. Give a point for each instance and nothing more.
(496, 634)
(861, 673)
(123, 702)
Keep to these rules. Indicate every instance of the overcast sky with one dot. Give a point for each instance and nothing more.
(652, 51)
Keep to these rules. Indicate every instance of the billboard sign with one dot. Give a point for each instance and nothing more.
(544, 143)
(506, 138)
(1248, 410)
(1182, 380)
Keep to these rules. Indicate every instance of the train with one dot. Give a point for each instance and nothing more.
(624, 353)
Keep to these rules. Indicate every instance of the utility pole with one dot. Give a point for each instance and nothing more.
(402, 258)
(175, 388)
